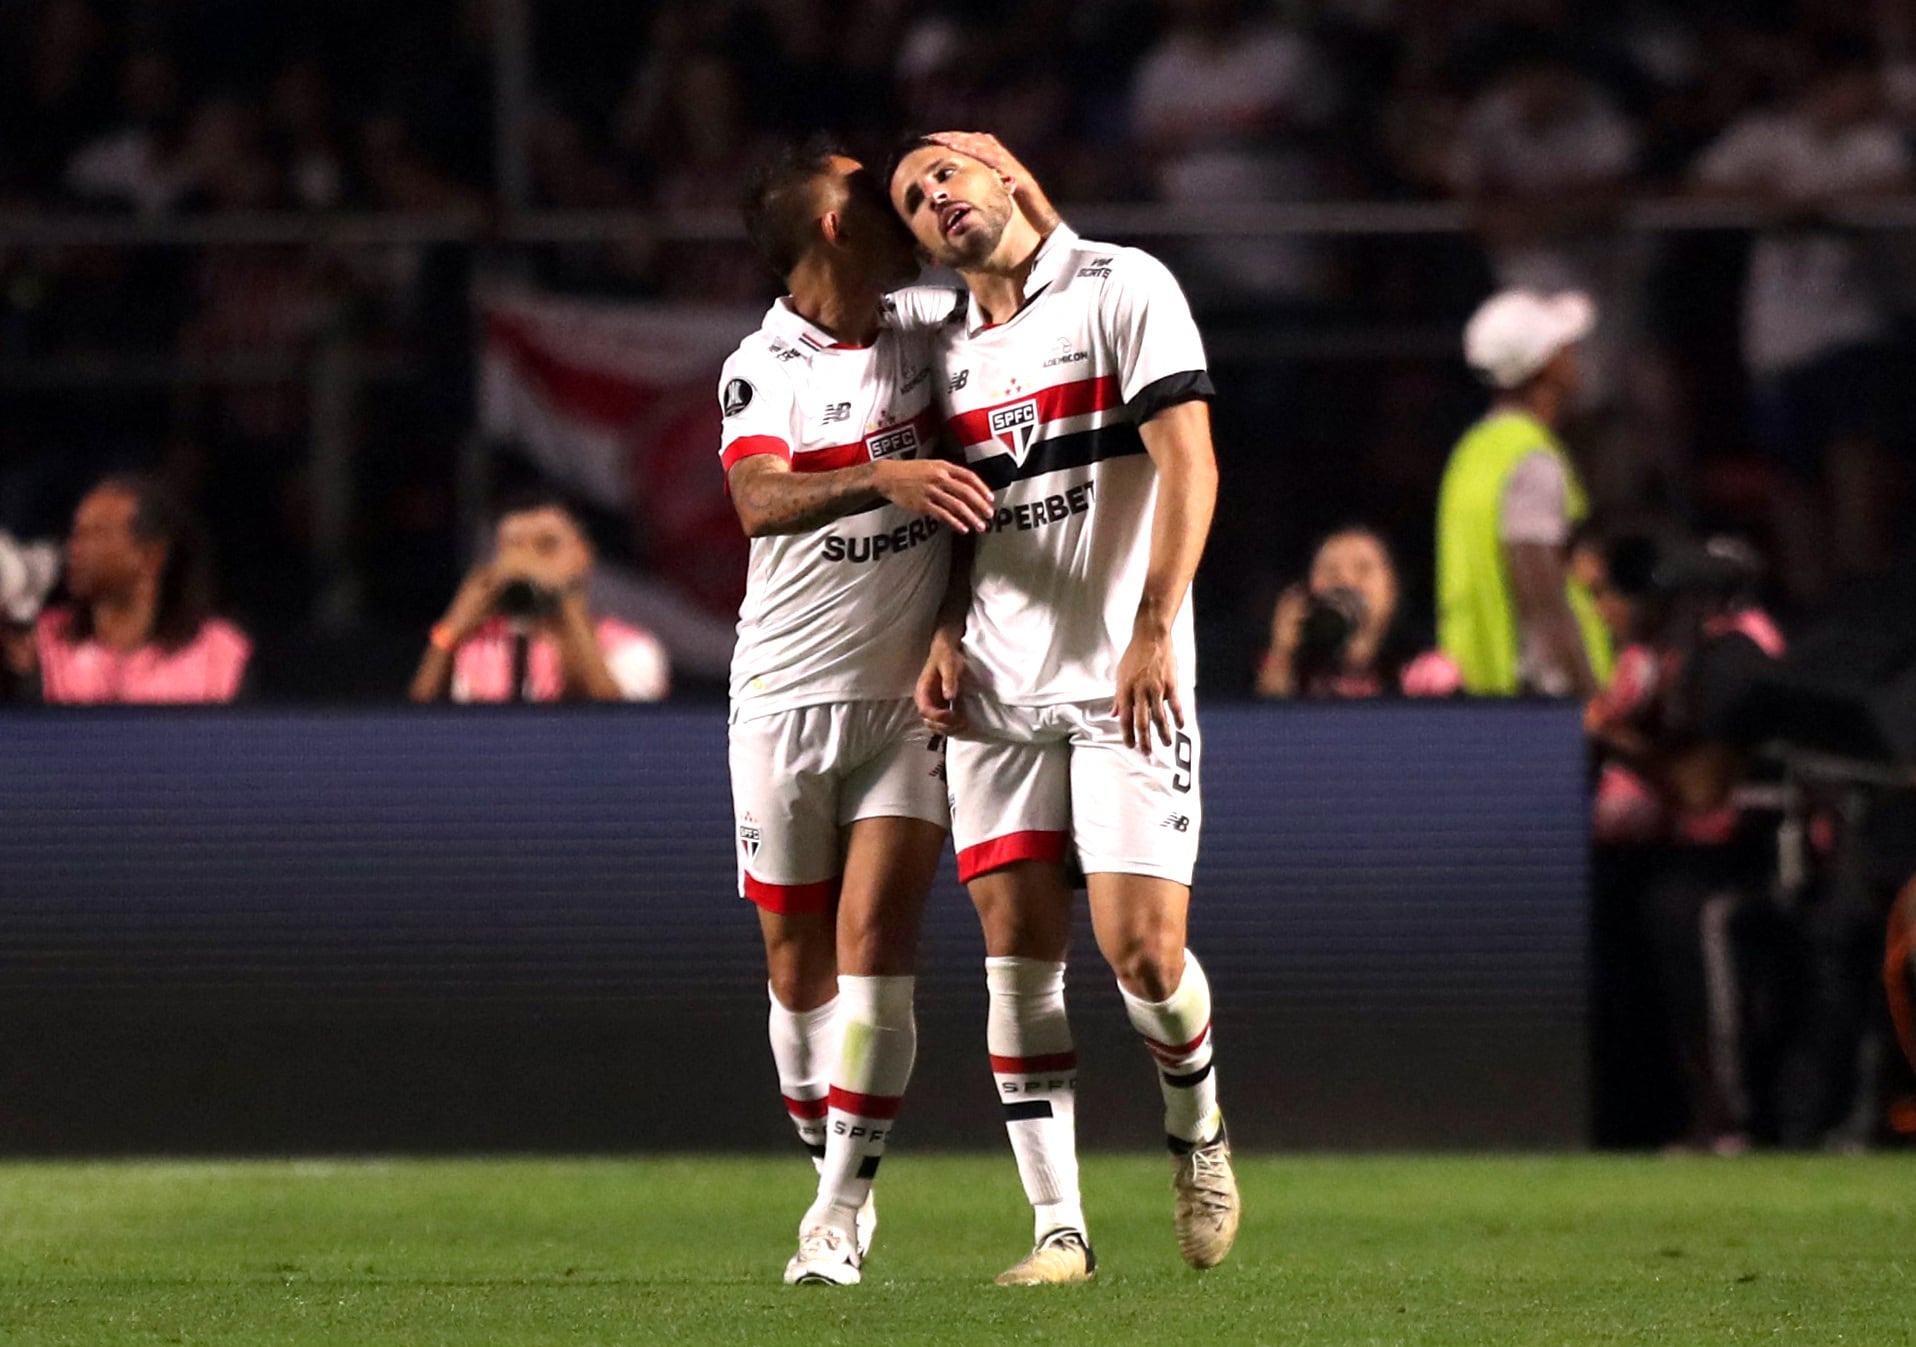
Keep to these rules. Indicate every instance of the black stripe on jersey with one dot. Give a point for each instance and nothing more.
(1120, 439)
(1169, 392)
(1027, 1109)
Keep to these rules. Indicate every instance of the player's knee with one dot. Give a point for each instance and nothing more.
(803, 974)
(1149, 963)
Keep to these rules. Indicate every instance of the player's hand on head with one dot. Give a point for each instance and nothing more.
(940, 688)
(1147, 693)
(988, 150)
(955, 496)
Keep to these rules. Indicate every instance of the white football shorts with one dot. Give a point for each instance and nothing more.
(800, 777)
(1026, 781)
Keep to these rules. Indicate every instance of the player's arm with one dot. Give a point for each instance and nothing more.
(1178, 439)
(470, 607)
(584, 673)
(1538, 585)
(772, 498)
(941, 682)
(987, 150)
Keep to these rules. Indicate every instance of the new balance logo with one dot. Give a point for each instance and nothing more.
(1177, 822)
(958, 381)
(837, 411)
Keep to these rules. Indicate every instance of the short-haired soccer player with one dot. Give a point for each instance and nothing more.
(1076, 387)
(838, 787)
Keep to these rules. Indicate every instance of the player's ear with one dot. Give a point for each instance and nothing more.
(832, 226)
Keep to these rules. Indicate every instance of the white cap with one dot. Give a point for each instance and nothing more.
(1516, 332)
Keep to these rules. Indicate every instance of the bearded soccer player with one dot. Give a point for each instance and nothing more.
(1076, 388)
(838, 787)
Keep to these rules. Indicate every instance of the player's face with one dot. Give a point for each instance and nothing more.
(104, 556)
(1358, 561)
(543, 544)
(956, 207)
(868, 224)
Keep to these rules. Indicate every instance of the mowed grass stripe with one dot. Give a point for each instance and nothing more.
(1334, 1250)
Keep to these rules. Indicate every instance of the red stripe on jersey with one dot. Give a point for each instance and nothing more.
(1024, 846)
(851, 455)
(1031, 1066)
(808, 1110)
(865, 1105)
(745, 446)
(1054, 404)
(1175, 1050)
(829, 460)
(793, 899)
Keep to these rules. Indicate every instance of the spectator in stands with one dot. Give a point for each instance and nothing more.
(1816, 310)
(1509, 613)
(1230, 107)
(1545, 157)
(1341, 633)
(1680, 859)
(138, 624)
(520, 627)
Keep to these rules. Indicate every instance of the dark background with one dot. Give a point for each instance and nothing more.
(518, 929)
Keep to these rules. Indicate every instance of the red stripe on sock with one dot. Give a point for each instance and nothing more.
(809, 1110)
(1032, 845)
(1174, 1049)
(1026, 1066)
(879, 1106)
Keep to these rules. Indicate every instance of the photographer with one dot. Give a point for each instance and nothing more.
(1681, 868)
(519, 629)
(1338, 634)
(138, 626)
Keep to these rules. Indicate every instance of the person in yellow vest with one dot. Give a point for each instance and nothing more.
(1509, 613)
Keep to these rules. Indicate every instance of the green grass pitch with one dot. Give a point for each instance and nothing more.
(1334, 1250)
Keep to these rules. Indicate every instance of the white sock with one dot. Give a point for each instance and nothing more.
(878, 1044)
(1032, 1059)
(1177, 1033)
(805, 1048)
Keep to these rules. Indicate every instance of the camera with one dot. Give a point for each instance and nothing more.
(522, 600)
(28, 573)
(1333, 617)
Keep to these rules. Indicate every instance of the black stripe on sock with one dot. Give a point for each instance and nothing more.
(816, 1152)
(1027, 1109)
(868, 1167)
(1186, 1082)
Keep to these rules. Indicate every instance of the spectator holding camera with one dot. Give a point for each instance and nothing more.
(520, 627)
(138, 625)
(1340, 634)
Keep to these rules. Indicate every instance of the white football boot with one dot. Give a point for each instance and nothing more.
(826, 1256)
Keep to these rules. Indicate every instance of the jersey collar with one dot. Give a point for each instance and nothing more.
(782, 320)
(1049, 264)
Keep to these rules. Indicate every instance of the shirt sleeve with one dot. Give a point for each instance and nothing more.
(1160, 356)
(921, 308)
(759, 411)
(1533, 504)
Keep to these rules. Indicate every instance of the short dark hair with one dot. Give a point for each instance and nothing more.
(526, 499)
(185, 598)
(778, 202)
(905, 148)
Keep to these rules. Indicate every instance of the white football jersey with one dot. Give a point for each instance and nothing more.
(1046, 408)
(843, 612)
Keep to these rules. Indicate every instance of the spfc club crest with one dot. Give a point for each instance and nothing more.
(748, 838)
(1016, 426)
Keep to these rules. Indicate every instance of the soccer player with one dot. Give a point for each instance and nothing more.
(838, 787)
(1076, 387)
